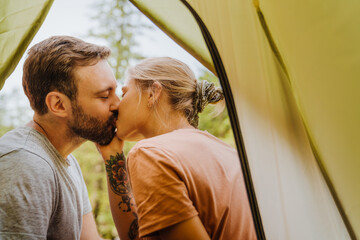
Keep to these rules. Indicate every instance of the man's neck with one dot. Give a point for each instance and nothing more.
(57, 133)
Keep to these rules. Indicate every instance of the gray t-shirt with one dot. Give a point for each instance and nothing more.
(42, 196)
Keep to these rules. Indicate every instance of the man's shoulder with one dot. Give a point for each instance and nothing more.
(22, 161)
(25, 142)
(13, 140)
(21, 138)
(17, 153)
(25, 173)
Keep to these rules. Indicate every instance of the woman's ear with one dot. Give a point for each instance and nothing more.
(58, 103)
(155, 93)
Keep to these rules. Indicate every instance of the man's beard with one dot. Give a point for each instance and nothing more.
(92, 128)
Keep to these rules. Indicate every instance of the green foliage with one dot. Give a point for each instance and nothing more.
(4, 129)
(93, 169)
(219, 125)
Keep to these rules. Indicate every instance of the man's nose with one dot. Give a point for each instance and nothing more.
(115, 104)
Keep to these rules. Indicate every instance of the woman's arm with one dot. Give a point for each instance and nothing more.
(122, 204)
(191, 229)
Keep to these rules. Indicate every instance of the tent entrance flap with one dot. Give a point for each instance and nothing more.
(20, 21)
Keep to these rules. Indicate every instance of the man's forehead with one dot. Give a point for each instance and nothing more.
(96, 78)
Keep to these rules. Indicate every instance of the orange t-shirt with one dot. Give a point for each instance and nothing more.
(188, 172)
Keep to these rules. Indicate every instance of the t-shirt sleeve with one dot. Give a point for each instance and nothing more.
(160, 194)
(26, 200)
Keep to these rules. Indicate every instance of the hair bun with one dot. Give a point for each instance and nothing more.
(206, 92)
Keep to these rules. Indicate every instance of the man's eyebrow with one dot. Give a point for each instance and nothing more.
(105, 90)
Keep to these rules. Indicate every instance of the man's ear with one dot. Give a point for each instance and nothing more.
(155, 93)
(58, 104)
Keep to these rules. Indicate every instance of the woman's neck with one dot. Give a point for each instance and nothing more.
(166, 124)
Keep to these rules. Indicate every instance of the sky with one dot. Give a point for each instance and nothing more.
(73, 17)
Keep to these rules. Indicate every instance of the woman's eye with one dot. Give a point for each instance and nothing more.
(104, 97)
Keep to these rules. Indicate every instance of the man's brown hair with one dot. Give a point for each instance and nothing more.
(50, 66)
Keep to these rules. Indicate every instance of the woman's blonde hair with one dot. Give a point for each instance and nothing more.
(185, 93)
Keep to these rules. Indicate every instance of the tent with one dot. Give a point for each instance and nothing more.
(289, 72)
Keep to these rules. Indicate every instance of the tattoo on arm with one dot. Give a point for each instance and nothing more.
(125, 204)
(119, 182)
(117, 173)
(134, 228)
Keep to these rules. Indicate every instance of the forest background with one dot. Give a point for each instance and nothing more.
(118, 25)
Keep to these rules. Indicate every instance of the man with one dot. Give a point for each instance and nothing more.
(71, 89)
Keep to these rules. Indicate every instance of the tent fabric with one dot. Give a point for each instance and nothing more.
(292, 68)
(324, 77)
(19, 22)
(191, 37)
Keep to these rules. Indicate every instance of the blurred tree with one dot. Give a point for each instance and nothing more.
(3, 127)
(15, 110)
(118, 23)
(19, 111)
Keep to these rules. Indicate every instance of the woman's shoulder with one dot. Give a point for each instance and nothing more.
(177, 135)
(181, 139)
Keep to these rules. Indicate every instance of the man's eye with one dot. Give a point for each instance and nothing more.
(104, 97)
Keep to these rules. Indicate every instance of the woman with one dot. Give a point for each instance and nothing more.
(187, 184)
